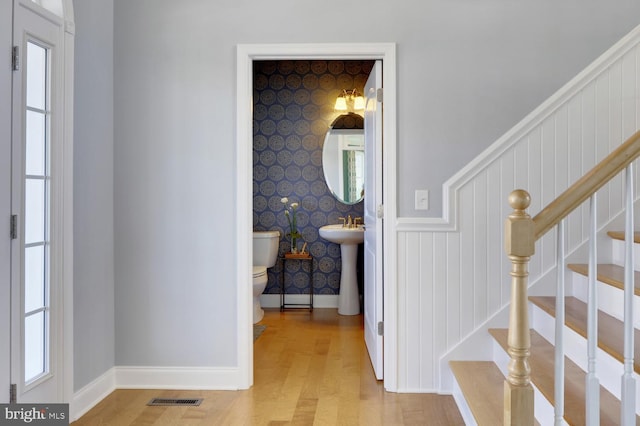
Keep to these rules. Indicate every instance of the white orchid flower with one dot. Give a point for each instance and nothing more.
(290, 214)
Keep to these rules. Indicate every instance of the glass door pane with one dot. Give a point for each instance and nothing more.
(36, 76)
(34, 203)
(34, 345)
(36, 136)
(36, 308)
(34, 278)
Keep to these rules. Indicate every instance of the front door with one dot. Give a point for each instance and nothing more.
(373, 283)
(36, 204)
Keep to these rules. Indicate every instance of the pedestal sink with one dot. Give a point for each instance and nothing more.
(348, 238)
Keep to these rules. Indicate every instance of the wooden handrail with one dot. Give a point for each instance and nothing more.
(586, 186)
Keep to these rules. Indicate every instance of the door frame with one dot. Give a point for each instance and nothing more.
(246, 54)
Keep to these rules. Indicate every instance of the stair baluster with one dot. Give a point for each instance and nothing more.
(558, 409)
(628, 407)
(592, 383)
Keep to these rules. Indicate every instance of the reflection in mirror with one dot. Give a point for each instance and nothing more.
(343, 158)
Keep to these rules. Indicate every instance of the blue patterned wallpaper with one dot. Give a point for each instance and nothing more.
(292, 110)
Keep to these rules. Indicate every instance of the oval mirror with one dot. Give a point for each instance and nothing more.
(343, 158)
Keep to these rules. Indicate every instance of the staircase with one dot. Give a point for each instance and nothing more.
(543, 155)
(479, 384)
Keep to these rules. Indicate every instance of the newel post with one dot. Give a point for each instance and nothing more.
(519, 245)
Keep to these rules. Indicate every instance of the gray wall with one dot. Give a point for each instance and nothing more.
(174, 185)
(468, 70)
(94, 332)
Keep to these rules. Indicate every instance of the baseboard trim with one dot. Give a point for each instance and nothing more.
(180, 378)
(205, 378)
(319, 300)
(91, 394)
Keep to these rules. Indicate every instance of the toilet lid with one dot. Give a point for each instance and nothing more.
(259, 271)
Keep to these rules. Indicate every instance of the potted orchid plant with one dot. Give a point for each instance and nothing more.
(290, 211)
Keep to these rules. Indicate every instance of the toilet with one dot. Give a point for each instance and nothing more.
(265, 254)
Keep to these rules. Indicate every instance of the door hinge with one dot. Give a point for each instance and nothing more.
(380, 211)
(379, 94)
(380, 328)
(15, 58)
(13, 227)
(13, 393)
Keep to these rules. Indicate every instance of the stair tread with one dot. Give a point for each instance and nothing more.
(608, 274)
(482, 384)
(610, 329)
(542, 361)
(619, 235)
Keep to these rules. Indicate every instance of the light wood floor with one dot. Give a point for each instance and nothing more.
(309, 369)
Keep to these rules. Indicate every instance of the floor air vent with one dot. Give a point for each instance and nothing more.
(172, 401)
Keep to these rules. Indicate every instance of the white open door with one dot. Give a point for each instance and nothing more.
(373, 283)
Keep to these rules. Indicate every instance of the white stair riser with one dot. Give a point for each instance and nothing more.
(610, 298)
(608, 369)
(617, 252)
(463, 407)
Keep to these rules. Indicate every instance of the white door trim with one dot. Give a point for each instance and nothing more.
(246, 54)
(67, 203)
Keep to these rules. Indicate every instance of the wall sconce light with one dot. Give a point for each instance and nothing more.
(347, 97)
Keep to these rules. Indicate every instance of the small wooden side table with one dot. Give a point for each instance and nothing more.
(301, 257)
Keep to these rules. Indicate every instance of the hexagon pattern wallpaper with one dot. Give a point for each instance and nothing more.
(293, 107)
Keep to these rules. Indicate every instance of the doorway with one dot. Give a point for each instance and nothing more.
(246, 55)
(301, 151)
